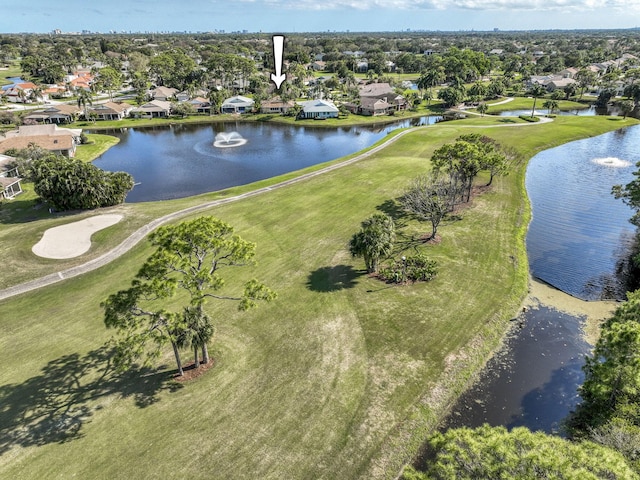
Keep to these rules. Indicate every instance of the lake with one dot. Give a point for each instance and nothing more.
(181, 160)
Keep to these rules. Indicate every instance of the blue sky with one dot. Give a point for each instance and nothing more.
(282, 16)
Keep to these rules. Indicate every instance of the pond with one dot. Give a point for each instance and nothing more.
(533, 380)
(575, 241)
(183, 160)
(541, 112)
(12, 81)
(579, 233)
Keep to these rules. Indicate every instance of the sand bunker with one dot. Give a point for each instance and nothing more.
(73, 239)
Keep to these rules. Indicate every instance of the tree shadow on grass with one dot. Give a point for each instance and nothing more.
(52, 407)
(20, 210)
(395, 211)
(332, 279)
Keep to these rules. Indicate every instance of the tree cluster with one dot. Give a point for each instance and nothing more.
(69, 184)
(432, 196)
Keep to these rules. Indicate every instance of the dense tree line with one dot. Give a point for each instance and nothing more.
(200, 61)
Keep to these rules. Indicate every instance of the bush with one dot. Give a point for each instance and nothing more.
(69, 184)
(417, 268)
(529, 118)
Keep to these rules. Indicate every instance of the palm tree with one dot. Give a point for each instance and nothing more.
(22, 95)
(551, 105)
(535, 91)
(430, 78)
(374, 240)
(84, 99)
(482, 109)
(36, 94)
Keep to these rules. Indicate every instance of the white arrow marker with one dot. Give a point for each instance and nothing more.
(278, 46)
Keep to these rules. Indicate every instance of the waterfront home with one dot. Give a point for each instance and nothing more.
(153, 109)
(110, 111)
(318, 109)
(276, 105)
(59, 113)
(237, 104)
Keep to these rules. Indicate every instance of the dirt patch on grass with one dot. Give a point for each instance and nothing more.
(190, 372)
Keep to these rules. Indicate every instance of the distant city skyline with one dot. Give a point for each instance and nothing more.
(286, 16)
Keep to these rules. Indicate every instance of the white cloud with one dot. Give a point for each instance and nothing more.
(539, 5)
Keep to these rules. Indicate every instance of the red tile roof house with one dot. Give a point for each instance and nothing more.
(9, 179)
(20, 92)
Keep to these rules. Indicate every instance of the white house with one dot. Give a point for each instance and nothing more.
(318, 109)
(237, 104)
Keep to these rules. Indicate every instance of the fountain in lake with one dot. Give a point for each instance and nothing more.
(613, 162)
(227, 140)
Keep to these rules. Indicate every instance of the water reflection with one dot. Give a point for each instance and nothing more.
(181, 160)
(579, 232)
(533, 380)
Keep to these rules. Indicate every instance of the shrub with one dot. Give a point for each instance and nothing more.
(529, 118)
(417, 268)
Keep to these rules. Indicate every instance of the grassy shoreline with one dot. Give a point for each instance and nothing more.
(342, 377)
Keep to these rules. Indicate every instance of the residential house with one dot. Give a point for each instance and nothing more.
(372, 106)
(59, 113)
(201, 104)
(382, 91)
(164, 94)
(110, 111)
(48, 130)
(558, 83)
(362, 66)
(153, 109)
(318, 110)
(9, 178)
(318, 66)
(276, 105)
(569, 72)
(549, 82)
(55, 91)
(20, 92)
(80, 80)
(237, 104)
(62, 141)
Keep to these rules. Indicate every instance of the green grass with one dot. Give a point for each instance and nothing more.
(524, 103)
(340, 377)
(96, 146)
